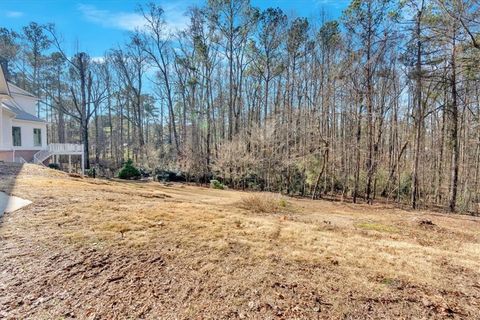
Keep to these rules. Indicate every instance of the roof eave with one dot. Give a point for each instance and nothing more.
(4, 89)
(30, 120)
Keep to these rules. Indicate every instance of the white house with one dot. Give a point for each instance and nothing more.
(22, 133)
(23, 136)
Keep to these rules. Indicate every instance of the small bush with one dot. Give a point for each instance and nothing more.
(55, 166)
(169, 176)
(406, 185)
(254, 182)
(128, 171)
(92, 173)
(215, 184)
(261, 203)
(145, 173)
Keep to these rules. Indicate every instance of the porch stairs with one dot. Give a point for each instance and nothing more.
(41, 156)
(19, 160)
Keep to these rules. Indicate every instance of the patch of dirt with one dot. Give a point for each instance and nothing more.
(426, 223)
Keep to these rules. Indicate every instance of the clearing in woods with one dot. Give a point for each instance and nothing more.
(96, 249)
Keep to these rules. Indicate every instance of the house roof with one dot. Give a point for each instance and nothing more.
(19, 113)
(19, 91)
(4, 88)
(9, 104)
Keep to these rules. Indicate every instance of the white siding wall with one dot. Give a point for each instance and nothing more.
(27, 134)
(6, 131)
(28, 104)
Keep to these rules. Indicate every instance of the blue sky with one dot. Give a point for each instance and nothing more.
(97, 25)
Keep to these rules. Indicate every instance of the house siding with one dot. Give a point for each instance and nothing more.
(27, 134)
(27, 104)
(8, 156)
(27, 149)
(6, 131)
(20, 113)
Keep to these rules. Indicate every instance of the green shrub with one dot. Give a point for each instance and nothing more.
(169, 176)
(405, 185)
(55, 166)
(215, 184)
(92, 172)
(128, 171)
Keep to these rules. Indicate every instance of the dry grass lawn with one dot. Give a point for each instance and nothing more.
(96, 249)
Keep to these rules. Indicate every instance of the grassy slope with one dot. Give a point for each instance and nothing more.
(104, 249)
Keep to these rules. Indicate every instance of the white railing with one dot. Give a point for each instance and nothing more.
(19, 159)
(41, 156)
(58, 149)
(65, 148)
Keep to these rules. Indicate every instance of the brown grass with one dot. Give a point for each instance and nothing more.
(106, 249)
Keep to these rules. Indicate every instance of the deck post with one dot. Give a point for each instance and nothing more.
(83, 163)
(69, 163)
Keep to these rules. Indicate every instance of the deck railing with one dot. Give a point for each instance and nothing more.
(19, 159)
(41, 156)
(65, 148)
(55, 149)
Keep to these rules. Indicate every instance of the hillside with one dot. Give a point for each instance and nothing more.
(98, 249)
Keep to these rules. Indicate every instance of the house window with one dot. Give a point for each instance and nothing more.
(37, 137)
(17, 136)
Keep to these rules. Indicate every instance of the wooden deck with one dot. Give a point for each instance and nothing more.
(57, 149)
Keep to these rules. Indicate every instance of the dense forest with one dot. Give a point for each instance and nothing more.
(383, 103)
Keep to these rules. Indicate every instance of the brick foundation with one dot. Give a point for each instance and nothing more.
(7, 156)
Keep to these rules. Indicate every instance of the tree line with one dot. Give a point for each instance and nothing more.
(382, 103)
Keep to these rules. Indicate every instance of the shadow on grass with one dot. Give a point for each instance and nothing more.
(8, 177)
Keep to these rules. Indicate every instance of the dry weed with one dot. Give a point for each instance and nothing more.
(265, 203)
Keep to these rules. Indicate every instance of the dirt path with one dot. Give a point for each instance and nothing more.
(93, 249)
